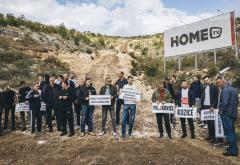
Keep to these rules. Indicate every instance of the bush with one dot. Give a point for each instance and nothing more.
(144, 51)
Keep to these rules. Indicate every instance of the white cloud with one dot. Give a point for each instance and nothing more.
(112, 17)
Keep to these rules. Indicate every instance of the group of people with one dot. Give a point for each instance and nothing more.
(64, 94)
(206, 94)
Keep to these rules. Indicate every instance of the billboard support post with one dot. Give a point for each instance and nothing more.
(196, 61)
(179, 63)
(215, 57)
(164, 65)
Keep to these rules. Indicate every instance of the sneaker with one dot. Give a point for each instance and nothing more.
(71, 134)
(229, 154)
(86, 127)
(50, 130)
(63, 134)
(183, 136)
(123, 137)
(193, 136)
(102, 133)
(114, 133)
(205, 126)
(82, 134)
(91, 133)
(170, 137)
(23, 129)
(161, 135)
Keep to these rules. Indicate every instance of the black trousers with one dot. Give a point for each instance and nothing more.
(58, 114)
(49, 115)
(211, 126)
(160, 117)
(78, 109)
(67, 117)
(190, 123)
(7, 110)
(36, 114)
(1, 112)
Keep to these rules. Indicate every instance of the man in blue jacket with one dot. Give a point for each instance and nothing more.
(228, 107)
(186, 99)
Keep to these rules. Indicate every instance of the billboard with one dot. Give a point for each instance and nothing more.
(212, 33)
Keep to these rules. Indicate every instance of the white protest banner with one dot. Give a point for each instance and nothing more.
(207, 34)
(43, 106)
(182, 112)
(219, 133)
(22, 107)
(129, 94)
(206, 114)
(100, 100)
(163, 108)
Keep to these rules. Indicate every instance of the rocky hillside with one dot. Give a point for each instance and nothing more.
(28, 48)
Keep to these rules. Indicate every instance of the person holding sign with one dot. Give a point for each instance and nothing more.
(22, 92)
(66, 101)
(34, 98)
(228, 108)
(87, 110)
(108, 89)
(1, 111)
(129, 107)
(186, 99)
(210, 101)
(162, 96)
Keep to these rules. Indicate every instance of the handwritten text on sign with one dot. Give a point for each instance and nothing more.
(25, 107)
(206, 114)
(100, 100)
(219, 133)
(130, 95)
(182, 112)
(163, 108)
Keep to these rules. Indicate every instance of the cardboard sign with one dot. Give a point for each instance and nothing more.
(130, 95)
(206, 114)
(43, 106)
(100, 100)
(182, 112)
(25, 107)
(219, 132)
(22, 107)
(168, 108)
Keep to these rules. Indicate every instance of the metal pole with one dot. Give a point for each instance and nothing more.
(164, 65)
(179, 63)
(215, 57)
(196, 61)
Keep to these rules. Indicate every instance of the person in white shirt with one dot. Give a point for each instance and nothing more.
(186, 99)
(129, 107)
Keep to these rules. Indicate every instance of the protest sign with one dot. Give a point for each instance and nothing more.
(130, 95)
(100, 100)
(206, 114)
(219, 133)
(183, 112)
(163, 108)
(22, 107)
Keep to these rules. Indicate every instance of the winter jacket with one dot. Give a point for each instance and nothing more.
(113, 92)
(157, 97)
(66, 104)
(197, 88)
(213, 95)
(52, 94)
(34, 102)
(84, 93)
(22, 93)
(191, 98)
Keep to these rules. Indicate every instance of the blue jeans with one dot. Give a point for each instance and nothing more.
(229, 132)
(126, 108)
(119, 104)
(87, 112)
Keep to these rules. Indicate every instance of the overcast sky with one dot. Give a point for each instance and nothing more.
(118, 17)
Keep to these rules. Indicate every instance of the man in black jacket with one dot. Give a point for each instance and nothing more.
(186, 99)
(34, 98)
(1, 111)
(52, 92)
(78, 101)
(108, 89)
(87, 110)
(210, 101)
(66, 100)
(22, 92)
(9, 105)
